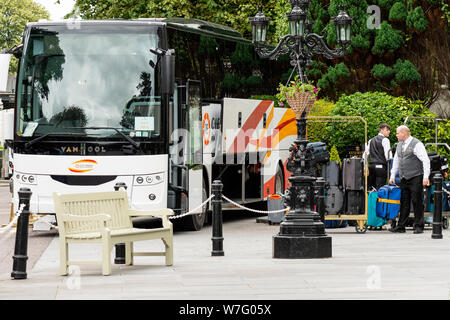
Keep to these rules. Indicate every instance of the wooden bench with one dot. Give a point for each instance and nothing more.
(105, 217)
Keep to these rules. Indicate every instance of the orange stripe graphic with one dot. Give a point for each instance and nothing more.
(251, 123)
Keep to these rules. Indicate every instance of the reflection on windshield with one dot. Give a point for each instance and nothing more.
(90, 79)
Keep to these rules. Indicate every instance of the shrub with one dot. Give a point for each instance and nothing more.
(230, 82)
(416, 19)
(334, 155)
(398, 11)
(316, 128)
(380, 71)
(376, 108)
(405, 71)
(387, 39)
(242, 57)
(337, 72)
(333, 75)
(253, 81)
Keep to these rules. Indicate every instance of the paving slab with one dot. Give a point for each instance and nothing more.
(375, 265)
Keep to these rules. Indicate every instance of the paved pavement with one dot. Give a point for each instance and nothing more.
(37, 241)
(374, 265)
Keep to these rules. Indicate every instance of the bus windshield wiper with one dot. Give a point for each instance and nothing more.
(134, 143)
(30, 143)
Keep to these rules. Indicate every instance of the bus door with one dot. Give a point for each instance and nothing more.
(186, 151)
(194, 149)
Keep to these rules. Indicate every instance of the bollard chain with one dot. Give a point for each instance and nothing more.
(192, 212)
(17, 215)
(254, 210)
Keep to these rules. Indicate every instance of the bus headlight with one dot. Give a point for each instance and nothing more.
(26, 179)
(147, 180)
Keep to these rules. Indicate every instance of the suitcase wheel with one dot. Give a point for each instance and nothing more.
(359, 230)
(445, 222)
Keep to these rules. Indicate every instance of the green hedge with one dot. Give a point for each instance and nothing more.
(315, 128)
(376, 108)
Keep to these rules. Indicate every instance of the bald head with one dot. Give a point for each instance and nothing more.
(403, 133)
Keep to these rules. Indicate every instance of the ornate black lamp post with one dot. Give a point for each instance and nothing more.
(302, 233)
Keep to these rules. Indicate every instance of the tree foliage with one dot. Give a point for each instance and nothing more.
(233, 13)
(412, 30)
(398, 11)
(14, 15)
(388, 39)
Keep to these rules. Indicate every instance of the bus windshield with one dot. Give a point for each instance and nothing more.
(98, 81)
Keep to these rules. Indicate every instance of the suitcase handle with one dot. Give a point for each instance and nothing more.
(389, 201)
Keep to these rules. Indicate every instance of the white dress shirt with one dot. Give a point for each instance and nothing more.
(420, 152)
(386, 147)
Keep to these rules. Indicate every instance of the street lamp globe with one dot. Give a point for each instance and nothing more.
(343, 24)
(259, 25)
(297, 21)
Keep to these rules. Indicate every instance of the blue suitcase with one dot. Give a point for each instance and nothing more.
(445, 197)
(335, 223)
(388, 204)
(372, 219)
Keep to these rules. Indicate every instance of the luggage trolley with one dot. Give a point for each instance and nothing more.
(361, 225)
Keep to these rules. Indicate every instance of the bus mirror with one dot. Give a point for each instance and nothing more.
(8, 124)
(168, 70)
(4, 68)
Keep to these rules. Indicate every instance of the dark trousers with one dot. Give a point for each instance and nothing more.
(411, 191)
(377, 176)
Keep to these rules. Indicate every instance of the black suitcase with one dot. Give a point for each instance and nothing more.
(331, 173)
(354, 202)
(353, 174)
(334, 200)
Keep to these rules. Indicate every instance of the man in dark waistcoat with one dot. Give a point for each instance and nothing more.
(378, 151)
(412, 162)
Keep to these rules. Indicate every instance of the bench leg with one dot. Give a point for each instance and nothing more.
(168, 242)
(129, 253)
(106, 257)
(63, 256)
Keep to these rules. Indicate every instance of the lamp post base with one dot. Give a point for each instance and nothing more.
(299, 247)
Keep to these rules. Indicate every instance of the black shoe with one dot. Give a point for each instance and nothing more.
(397, 230)
(418, 230)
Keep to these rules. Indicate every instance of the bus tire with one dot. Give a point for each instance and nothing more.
(195, 222)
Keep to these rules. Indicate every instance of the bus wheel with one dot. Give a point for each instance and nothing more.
(195, 222)
(279, 181)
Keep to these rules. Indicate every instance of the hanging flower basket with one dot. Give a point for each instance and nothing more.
(300, 102)
(299, 96)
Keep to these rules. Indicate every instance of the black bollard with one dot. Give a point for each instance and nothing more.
(319, 190)
(217, 236)
(20, 250)
(120, 247)
(437, 214)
